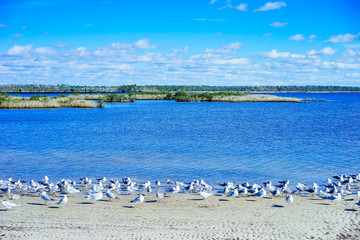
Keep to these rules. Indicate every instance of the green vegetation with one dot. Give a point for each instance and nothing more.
(37, 101)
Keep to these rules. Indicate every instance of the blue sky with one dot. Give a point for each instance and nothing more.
(212, 42)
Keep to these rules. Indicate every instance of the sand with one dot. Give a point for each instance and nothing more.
(185, 216)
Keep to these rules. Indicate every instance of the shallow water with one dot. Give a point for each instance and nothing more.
(163, 139)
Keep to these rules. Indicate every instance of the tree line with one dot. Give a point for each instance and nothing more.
(63, 88)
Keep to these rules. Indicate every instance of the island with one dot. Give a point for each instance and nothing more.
(98, 100)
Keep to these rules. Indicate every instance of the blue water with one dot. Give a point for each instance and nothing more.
(164, 139)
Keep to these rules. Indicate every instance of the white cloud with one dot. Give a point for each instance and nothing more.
(343, 38)
(271, 6)
(275, 54)
(241, 7)
(4, 25)
(19, 50)
(228, 49)
(267, 34)
(44, 51)
(143, 44)
(278, 24)
(185, 49)
(17, 35)
(212, 1)
(297, 37)
(312, 36)
(324, 51)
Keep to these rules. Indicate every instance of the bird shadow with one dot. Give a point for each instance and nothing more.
(326, 204)
(223, 200)
(53, 207)
(350, 210)
(150, 201)
(267, 197)
(315, 199)
(103, 200)
(195, 199)
(250, 200)
(3, 210)
(218, 195)
(349, 200)
(277, 206)
(85, 203)
(36, 204)
(128, 207)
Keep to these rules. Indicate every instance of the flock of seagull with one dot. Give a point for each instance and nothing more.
(335, 189)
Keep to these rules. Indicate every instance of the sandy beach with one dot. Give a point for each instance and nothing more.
(185, 216)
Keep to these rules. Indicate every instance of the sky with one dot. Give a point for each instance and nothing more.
(180, 42)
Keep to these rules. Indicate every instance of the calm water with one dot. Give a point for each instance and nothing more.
(163, 139)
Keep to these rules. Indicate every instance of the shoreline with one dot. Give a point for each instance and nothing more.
(182, 216)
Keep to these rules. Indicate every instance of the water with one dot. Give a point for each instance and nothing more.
(163, 139)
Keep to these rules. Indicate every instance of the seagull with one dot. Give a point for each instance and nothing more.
(261, 193)
(109, 194)
(63, 200)
(336, 198)
(159, 195)
(139, 199)
(45, 197)
(8, 205)
(204, 194)
(234, 193)
(95, 196)
(289, 198)
(157, 183)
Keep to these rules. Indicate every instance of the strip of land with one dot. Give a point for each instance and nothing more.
(99, 100)
(185, 216)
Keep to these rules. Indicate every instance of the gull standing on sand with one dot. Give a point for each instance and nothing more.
(139, 199)
(110, 195)
(63, 200)
(289, 198)
(8, 205)
(205, 195)
(95, 196)
(45, 197)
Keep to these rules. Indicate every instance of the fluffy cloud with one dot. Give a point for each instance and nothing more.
(241, 7)
(44, 51)
(278, 24)
(271, 6)
(143, 44)
(19, 50)
(324, 51)
(297, 37)
(231, 48)
(212, 1)
(343, 38)
(61, 45)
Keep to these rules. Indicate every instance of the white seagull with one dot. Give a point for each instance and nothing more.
(204, 194)
(8, 205)
(109, 194)
(95, 196)
(45, 197)
(139, 199)
(289, 198)
(63, 200)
